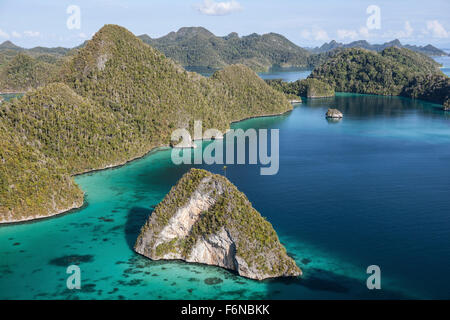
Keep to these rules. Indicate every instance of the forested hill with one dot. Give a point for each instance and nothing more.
(198, 47)
(9, 50)
(428, 50)
(117, 98)
(394, 71)
(23, 72)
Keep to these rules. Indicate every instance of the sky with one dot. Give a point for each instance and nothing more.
(307, 23)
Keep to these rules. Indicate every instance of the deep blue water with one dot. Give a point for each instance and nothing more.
(286, 74)
(370, 189)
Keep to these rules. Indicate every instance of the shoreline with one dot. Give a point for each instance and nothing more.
(75, 208)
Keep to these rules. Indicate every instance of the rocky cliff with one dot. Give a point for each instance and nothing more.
(206, 219)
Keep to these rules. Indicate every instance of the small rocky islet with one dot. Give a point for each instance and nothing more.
(206, 219)
(334, 114)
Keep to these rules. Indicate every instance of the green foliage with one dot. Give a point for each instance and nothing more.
(31, 184)
(394, 71)
(73, 131)
(23, 72)
(118, 98)
(434, 88)
(166, 247)
(428, 50)
(197, 47)
(311, 88)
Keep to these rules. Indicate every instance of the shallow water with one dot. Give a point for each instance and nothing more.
(370, 189)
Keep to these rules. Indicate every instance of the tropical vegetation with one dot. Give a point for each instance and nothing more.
(115, 100)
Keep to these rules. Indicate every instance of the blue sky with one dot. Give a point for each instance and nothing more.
(307, 23)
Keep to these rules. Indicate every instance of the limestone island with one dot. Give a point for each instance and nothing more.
(334, 114)
(206, 219)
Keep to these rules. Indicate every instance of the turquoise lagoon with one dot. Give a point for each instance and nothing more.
(370, 189)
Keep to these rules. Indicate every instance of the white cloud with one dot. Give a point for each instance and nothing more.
(3, 34)
(82, 35)
(407, 32)
(213, 8)
(408, 29)
(321, 35)
(305, 34)
(364, 32)
(16, 34)
(437, 30)
(30, 33)
(343, 34)
(315, 34)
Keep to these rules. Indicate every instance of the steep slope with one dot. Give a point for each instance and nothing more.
(119, 98)
(8, 45)
(310, 88)
(191, 47)
(197, 47)
(31, 184)
(23, 72)
(154, 95)
(43, 62)
(244, 91)
(206, 219)
(73, 131)
(434, 88)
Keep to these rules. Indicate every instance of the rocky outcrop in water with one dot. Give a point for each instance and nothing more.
(446, 105)
(206, 219)
(334, 114)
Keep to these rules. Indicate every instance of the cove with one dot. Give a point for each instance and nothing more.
(370, 189)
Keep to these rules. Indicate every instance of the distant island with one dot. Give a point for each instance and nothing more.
(110, 102)
(428, 50)
(198, 47)
(194, 48)
(206, 219)
(393, 71)
(115, 98)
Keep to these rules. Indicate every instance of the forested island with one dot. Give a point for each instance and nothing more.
(394, 71)
(194, 48)
(428, 50)
(198, 47)
(114, 100)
